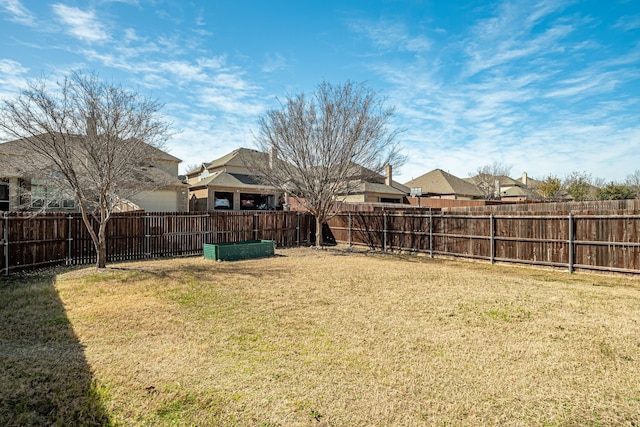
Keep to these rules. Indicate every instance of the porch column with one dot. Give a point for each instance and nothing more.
(211, 198)
(236, 200)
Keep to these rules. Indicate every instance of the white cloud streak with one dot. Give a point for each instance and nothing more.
(18, 12)
(388, 36)
(83, 25)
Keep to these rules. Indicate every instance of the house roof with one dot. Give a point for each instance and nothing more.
(152, 174)
(378, 188)
(373, 178)
(245, 157)
(240, 157)
(11, 152)
(156, 153)
(8, 164)
(517, 191)
(440, 182)
(226, 179)
(506, 181)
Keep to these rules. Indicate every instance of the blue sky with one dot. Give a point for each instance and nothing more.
(547, 87)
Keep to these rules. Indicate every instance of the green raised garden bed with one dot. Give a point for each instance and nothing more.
(233, 251)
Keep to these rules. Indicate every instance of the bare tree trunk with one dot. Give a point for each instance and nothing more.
(318, 231)
(101, 247)
(98, 239)
(102, 253)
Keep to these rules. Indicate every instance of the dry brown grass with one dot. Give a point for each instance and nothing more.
(320, 337)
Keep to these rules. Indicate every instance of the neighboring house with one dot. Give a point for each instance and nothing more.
(10, 181)
(375, 188)
(443, 185)
(228, 184)
(509, 189)
(173, 196)
(30, 191)
(519, 190)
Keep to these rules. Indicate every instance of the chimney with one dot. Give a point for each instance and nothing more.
(388, 179)
(524, 179)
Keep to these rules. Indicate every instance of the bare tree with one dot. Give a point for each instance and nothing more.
(191, 167)
(633, 182)
(324, 146)
(89, 140)
(487, 179)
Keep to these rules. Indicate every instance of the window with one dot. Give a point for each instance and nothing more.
(49, 198)
(4, 195)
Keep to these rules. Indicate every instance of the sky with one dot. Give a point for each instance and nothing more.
(547, 87)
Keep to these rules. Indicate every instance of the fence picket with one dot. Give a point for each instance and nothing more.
(29, 241)
(589, 242)
(587, 239)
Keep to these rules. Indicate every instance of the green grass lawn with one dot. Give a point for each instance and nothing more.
(319, 338)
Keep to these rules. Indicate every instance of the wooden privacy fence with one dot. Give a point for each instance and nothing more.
(589, 242)
(31, 241)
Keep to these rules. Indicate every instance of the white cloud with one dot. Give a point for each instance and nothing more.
(12, 78)
(213, 62)
(510, 35)
(130, 35)
(229, 102)
(11, 67)
(184, 71)
(18, 12)
(581, 87)
(83, 25)
(628, 23)
(274, 62)
(388, 36)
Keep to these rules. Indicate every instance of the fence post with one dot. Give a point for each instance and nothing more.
(571, 238)
(431, 233)
(255, 226)
(492, 241)
(6, 243)
(69, 240)
(298, 228)
(349, 229)
(384, 231)
(147, 233)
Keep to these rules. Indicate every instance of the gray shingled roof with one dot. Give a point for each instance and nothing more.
(439, 182)
(12, 152)
(240, 157)
(375, 187)
(226, 179)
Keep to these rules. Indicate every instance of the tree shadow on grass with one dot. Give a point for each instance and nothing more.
(44, 375)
